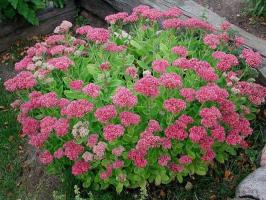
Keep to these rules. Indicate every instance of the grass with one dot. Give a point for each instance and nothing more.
(10, 164)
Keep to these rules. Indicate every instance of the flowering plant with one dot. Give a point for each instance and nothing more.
(147, 105)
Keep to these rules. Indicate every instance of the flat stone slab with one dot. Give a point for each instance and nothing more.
(253, 186)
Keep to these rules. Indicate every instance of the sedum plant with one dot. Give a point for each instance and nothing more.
(150, 104)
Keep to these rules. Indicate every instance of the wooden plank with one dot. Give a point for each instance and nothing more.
(98, 8)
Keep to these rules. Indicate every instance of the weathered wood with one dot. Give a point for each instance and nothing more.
(49, 19)
(98, 8)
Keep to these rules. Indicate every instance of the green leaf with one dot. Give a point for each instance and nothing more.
(87, 182)
(14, 3)
(74, 94)
(158, 179)
(179, 178)
(119, 187)
(220, 158)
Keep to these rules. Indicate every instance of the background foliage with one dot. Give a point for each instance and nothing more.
(12, 9)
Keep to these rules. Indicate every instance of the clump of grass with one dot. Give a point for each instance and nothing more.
(10, 165)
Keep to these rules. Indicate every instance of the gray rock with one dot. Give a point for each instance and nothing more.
(253, 186)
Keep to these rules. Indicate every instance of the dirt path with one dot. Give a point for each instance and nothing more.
(235, 12)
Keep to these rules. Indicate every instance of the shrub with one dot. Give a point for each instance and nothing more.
(148, 105)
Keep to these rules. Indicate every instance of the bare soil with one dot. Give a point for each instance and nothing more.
(235, 11)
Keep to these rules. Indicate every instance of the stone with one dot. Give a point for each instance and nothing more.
(253, 186)
(263, 157)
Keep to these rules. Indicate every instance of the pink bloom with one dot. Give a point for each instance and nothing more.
(76, 84)
(198, 24)
(99, 150)
(63, 27)
(113, 131)
(124, 98)
(23, 64)
(239, 41)
(46, 158)
(61, 63)
(210, 116)
(105, 66)
(92, 140)
(118, 164)
(183, 63)
(205, 71)
(140, 9)
(175, 132)
(152, 14)
(184, 120)
(131, 18)
(80, 167)
(163, 160)
(211, 40)
(87, 156)
(105, 113)
(63, 102)
(112, 19)
(77, 108)
(55, 39)
(83, 30)
(58, 49)
(132, 72)
(184, 159)
(208, 155)
(137, 157)
(72, 150)
(172, 12)
(172, 23)
(218, 133)
(154, 126)
(23, 80)
(196, 133)
(118, 151)
(30, 126)
(16, 104)
(180, 50)
(188, 94)
(48, 100)
(211, 93)
(98, 35)
(47, 124)
(160, 65)
(129, 118)
(147, 86)
(92, 90)
(61, 127)
(166, 143)
(233, 139)
(225, 26)
(170, 80)
(112, 47)
(176, 168)
(59, 153)
(252, 58)
(174, 105)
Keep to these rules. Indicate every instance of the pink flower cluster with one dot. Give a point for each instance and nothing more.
(160, 65)
(98, 35)
(147, 86)
(77, 108)
(105, 113)
(113, 131)
(174, 105)
(61, 63)
(124, 98)
(112, 19)
(252, 58)
(226, 61)
(23, 80)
